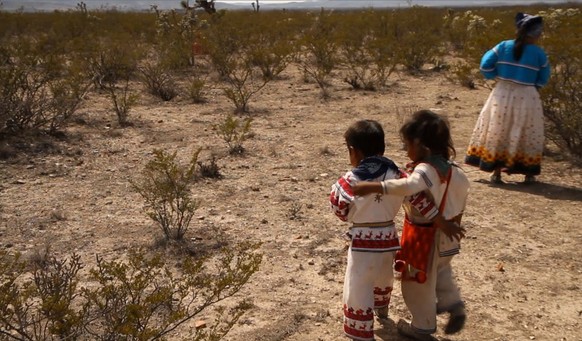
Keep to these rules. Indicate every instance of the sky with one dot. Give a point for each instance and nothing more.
(48, 5)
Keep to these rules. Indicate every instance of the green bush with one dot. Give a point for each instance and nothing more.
(320, 50)
(562, 107)
(122, 99)
(471, 35)
(234, 133)
(38, 91)
(114, 61)
(142, 298)
(242, 85)
(197, 90)
(45, 305)
(419, 35)
(165, 186)
(368, 49)
(271, 45)
(176, 32)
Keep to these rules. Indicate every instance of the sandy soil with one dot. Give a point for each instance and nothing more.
(520, 268)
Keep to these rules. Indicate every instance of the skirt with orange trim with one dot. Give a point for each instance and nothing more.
(509, 132)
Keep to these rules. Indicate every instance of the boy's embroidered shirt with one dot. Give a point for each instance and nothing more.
(373, 208)
(532, 69)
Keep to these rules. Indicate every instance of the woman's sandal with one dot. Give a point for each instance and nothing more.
(529, 179)
(495, 179)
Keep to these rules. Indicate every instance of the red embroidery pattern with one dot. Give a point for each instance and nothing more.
(359, 323)
(382, 297)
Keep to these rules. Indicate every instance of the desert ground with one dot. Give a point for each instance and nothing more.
(520, 267)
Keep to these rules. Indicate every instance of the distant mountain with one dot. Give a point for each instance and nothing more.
(130, 5)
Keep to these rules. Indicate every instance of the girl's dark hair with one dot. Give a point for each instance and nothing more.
(366, 136)
(432, 131)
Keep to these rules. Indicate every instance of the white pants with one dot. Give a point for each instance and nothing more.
(367, 285)
(439, 293)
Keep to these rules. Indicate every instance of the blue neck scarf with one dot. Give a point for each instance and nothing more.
(374, 166)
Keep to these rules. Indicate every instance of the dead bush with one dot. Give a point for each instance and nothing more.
(159, 81)
(209, 169)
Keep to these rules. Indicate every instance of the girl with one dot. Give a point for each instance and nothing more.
(428, 143)
(509, 134)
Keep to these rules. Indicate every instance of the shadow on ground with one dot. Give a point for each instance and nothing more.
(550, 191)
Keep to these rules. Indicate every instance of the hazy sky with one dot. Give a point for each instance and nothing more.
(168, 4)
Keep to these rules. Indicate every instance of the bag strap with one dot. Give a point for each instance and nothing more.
(444, 198)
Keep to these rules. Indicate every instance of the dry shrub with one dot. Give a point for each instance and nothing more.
(368, 49)
(38, 91)
(320, 55)
(142, 298)
(561, 97)
(234, 132)
(419, 36)
(159, 81)
(165, 186)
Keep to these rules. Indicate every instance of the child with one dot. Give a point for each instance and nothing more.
(369, 277)
(429, 145)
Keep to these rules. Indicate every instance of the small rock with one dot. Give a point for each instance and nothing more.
(311, 262)
(19, 182)
(200, 324)
(323, 175)
(264, 221)
(201, 218)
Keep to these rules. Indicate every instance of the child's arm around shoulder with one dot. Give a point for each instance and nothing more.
(342, 196)
(417, 181)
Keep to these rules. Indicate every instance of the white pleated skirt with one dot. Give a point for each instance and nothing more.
(509, 132)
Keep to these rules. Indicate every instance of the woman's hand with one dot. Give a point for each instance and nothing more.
(365, 188)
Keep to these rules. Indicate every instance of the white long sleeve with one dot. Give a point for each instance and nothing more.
(416, 182)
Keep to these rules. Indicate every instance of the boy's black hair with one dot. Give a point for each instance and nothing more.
(432, 131)
(366, 136)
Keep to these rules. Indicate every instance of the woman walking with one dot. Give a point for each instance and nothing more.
(509, 134)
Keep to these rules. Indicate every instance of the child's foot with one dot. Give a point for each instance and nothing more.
(406, 329)
(456, 320)
(382, 313)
